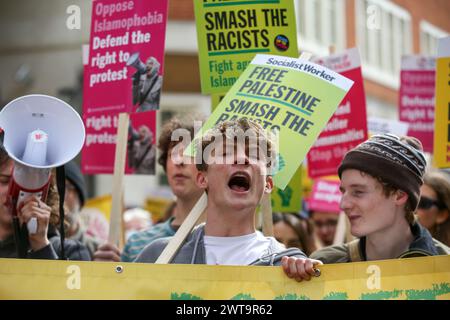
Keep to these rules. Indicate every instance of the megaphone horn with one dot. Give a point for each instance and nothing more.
(136, 63)
(40, 133)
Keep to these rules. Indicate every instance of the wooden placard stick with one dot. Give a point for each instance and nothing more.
(266, 210)
(340, 234)
(185, 229)
(115, 222)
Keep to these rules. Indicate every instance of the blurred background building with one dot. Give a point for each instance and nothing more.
(40, 54)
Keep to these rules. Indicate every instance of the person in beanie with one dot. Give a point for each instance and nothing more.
(75, 198)
(380, 185)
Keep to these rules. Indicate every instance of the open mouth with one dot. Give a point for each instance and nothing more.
(353, 218)
(239, 182)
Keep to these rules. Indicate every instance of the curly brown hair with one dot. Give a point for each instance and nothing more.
(165, 142)
(53, 201)
(223, 131)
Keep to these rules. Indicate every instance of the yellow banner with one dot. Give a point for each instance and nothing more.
(442, 114)
(418, 278)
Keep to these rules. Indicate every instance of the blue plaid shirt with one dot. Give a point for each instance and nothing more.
(140, 240)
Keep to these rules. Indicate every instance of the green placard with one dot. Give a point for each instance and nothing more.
(289, 199)
(216, 98)
(293, 97)
(231, 32)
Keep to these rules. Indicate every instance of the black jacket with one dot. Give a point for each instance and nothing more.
(74, 250)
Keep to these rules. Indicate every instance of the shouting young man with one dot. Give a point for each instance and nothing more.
(235, 175)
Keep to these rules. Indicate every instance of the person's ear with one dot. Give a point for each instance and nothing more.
(442, 216)
(269, 184)
(400, 197)
(202, 180)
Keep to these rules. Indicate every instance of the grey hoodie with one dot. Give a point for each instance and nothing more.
(193, 251)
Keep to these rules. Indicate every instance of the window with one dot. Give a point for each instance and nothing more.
(429, 35)
(320, 23)
(384, 34)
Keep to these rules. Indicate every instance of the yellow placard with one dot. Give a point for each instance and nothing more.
(230, 33)
(288, 199)
(216, 98)
(416, 278)
(442, 114)
(157, 206)
(102, 203)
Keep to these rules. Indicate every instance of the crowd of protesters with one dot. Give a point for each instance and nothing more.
(396, 205)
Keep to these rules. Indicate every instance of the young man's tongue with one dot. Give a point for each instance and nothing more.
(239, 183)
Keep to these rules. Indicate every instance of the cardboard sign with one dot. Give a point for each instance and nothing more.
(215, 100)
(230, 33)
(289, 199)
(123, 73)
(416, 99)
(325, 196)
(293, 97)
(101, 137)
(348, 126)
(442, 119)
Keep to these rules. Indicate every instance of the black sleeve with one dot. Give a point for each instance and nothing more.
(74, 250)
(46, 252)
(77, 251)
(136, 88)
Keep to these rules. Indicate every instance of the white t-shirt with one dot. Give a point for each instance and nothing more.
(241, 250)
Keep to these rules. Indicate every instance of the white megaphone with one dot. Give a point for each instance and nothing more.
(136, 63)
(40, 133)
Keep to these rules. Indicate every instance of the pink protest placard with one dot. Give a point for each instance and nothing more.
(416, 100)
(348, 126)
(325, 196)
(123, 73)
(99, 149)
(141, 144)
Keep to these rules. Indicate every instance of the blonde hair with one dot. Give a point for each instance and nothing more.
(224, 129)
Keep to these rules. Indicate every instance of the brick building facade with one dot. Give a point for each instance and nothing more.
(434, 13)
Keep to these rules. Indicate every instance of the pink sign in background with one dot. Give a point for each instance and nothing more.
(99, 155)
(416, 99)
(325, 196)
(118, 29)
(348, 126)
